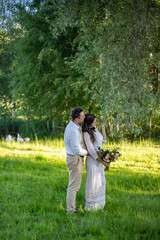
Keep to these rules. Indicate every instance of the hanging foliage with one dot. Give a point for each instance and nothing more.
(100, 55)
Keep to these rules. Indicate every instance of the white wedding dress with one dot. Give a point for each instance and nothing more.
(95, 179)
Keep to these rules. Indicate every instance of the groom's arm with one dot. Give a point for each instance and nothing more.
(75, 143)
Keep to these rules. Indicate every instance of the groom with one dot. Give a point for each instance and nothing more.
(75, 153)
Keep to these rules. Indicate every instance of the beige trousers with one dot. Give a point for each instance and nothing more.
(75, 167)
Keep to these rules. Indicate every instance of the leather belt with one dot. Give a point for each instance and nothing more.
(75, 155)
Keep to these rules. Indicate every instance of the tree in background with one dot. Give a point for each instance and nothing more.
(6, 56)
(43, 74)
(118, 52)
(100, 55)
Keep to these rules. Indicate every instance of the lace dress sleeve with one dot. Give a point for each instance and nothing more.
(91, 150)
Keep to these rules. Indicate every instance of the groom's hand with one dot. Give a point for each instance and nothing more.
(97, 152)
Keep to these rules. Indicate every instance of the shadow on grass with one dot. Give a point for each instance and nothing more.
(33, 196)
(20, 147)
(36, 186)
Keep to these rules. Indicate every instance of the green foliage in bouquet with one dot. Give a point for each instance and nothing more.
(109, 155)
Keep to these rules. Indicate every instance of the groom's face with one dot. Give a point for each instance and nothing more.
(81, 117)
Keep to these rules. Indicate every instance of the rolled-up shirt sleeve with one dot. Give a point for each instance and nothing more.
(90, 147)
(75, 144)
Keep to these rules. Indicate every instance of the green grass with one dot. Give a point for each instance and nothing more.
(33, 183)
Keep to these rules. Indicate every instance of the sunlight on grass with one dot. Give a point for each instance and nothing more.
(142, 157)
(38, 151)
(34, 179)
(138, 157)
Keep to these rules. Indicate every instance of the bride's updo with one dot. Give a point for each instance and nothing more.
(89, 118)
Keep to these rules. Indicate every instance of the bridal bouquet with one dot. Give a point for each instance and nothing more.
(109, 155)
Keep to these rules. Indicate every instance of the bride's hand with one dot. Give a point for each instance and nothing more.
(107, 164)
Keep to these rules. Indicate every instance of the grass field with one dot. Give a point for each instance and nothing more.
(33, 183)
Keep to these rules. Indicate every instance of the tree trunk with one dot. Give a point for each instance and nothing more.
(117, 127)
(104, 133)
(110, 127)
(28, 118)
(14, 110)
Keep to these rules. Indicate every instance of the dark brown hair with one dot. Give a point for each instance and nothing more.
(89, 118)
(75, 113)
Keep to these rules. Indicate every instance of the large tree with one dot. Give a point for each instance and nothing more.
(118, 49)
(101, 55)
(43, 74)
(6, 56)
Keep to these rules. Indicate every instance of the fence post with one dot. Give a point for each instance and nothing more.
(48, 125)
(52, 126)
(150, 125)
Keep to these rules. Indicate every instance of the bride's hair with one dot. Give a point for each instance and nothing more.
(89, 118)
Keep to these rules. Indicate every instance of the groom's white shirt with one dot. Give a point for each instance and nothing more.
(73, 140)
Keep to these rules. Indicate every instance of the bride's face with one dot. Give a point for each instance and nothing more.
(93, 123)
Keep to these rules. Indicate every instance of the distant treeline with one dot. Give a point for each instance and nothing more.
(43, 128)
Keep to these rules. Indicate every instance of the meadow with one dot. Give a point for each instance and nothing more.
(33, 184)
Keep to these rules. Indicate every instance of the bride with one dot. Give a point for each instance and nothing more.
(95, 179)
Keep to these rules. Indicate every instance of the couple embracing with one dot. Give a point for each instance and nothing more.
(80, 143)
